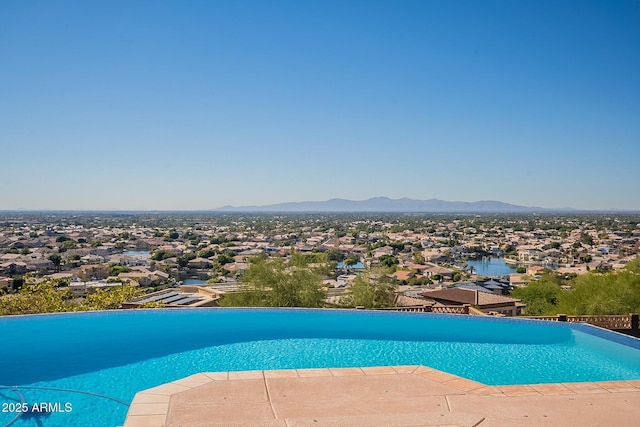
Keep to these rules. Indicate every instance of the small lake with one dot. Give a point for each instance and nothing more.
(192, 279)
(490, 267)
(136, 253)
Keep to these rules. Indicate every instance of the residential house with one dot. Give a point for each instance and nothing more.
(143, 278)
(535, 270)
(12, 268)
(345, 279)
(6, 283)
(92, 259)
(444, 273)
(10, 257)
(200, 263)
(487, 302)
(403, 275)
(40, 265)
(169, 263)
(528, 254)
(495, 285)
(519, 280)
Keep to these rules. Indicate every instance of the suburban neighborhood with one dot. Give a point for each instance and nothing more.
(194, 260)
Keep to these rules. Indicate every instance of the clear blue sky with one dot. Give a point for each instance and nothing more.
(126, 104)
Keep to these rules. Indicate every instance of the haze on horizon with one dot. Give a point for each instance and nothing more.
(144, 105)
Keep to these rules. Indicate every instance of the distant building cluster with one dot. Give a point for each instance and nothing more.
(187, 261)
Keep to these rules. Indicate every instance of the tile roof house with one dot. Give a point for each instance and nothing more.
(200, 263)
(444, 273)
(143, 278)
(485, 301)
(403, 275)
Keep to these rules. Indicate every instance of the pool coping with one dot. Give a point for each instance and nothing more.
(152, 407)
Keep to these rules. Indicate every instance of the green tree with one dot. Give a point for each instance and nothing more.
(56, 260)
(586, 239)
(206, 253)
(542, 296)
(159, 255)
(116, 269)
(111, 298)
(418, 258)
(67, 244)
(350, 261)
(226, 257)
(633, 265)
(317, 261)
(398, 246)
(273, 283)
(388, 261)
(370, 290)
(335, 255)
(616, 292)
(304, 260)
(43, 297)
(183, 260)
(521, 270)
(586, 258)
(48, 296)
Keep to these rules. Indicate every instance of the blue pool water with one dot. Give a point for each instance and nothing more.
(356, 266)
(194, 282)
(121, 352)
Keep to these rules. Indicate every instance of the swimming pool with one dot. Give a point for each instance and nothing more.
(118, 353)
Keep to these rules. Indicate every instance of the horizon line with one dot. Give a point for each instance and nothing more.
(239, 210)
(351, 206)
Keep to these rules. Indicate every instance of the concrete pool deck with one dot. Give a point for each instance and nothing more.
(378, 396)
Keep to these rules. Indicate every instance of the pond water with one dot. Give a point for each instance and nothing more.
(136, 253)
(488, 266)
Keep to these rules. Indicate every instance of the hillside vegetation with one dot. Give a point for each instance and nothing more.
(614, 292)
(46, 297)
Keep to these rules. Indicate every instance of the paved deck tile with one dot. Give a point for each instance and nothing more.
(343, 372)
(289, 373)
(324, 372)
(146, 421)
(617, 386)
(441, 419)
(379, 370)
(552, 389)
(585, 388)
(246, 375)
(193, 381)
(218, 376)
(464, 384)
(143, 397)
(184, 415)
(223, 392)
(409, 396)
(559, 410)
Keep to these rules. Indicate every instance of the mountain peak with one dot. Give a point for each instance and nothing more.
(384, 204)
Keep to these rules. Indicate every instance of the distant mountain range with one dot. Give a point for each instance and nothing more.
(385, 204)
